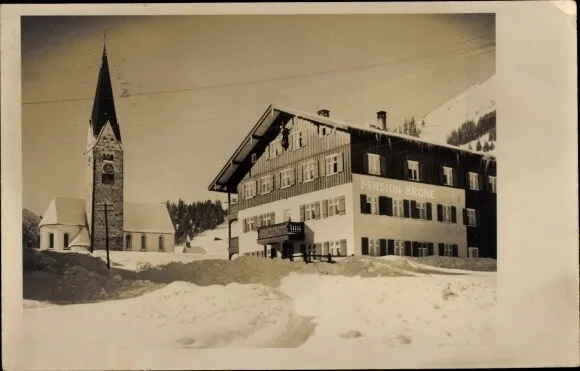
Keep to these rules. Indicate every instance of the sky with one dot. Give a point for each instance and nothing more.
(189, 88)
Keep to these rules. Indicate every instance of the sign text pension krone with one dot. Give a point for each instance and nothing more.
(396, 189)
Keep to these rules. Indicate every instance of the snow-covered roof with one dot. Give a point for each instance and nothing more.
(137, 217)
(81, 238)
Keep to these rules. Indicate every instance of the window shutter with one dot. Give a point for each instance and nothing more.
(299, 172)
(365, 246)
(382, 205)
(389, 206)
(321, 168)
(272, 218)
(342, 248)
(467, 182)
(405, 170)
(416, 246)
(441, 249)
(302, 213)
(324, 208)
(455, 251)
(408, 251)
(341, 205)
(317, 210)
(278, 180)
(430, 249)
(453, 214)
(326, 249)
(254, 188)
(315, 172)
(477, 218)
(363, 204)
(390, 247)
(453, 181)
(439, 212)
(429, 211)
(406, 212)
(383, 244)
(442, 175)
(480, 179)
(413, 209)
(317, 249)
(255, 224)
(304, 138)
(340, 162)
(267, 152)
(244, 225)
(366, 163)
(465, 217)
(292, 176)
(383, 166)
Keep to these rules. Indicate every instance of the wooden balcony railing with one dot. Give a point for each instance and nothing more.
(234, 245)
(287, 231)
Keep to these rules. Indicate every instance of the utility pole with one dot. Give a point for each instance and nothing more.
(106, 236)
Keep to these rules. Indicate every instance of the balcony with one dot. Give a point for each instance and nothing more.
(234, 246)
(233, 211)
(287, 231)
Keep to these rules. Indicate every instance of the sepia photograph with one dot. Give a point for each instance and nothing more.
(309, 183)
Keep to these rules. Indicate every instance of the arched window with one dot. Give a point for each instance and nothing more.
(128, 242)
(51, 240)
(143, 242)
(108, 175)
(161, 247)
(65, 241)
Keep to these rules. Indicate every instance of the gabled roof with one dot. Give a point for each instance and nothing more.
(81, 238)
(257, 139)
(137, 217)
(104, 104)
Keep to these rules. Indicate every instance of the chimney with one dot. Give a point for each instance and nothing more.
(382, 120)
(324, 112)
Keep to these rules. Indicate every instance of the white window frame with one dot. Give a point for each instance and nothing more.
(333, 206)
(374, 162)
(399, 248)
(422, 210)
(424, 249)
(447, 211)
(276, 148)
(309, 211)
(413, 170)
(334, 247)
(287, 215)
(473, 250)
(286, 178)
(251, 226)
(473, 181)
(266, 220)
(266, 184)
(298, 139)
(471, 217)
(492, 184)
(374, 247)
(309, 169)
(249, 190)
(448, 250)
(324, 130)
(448, 175)
(373, 201)
(398, 208)
(331, 161)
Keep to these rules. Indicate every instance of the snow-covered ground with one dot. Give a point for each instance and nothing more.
(397, 317)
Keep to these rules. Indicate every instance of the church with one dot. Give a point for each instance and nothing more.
(83, 224)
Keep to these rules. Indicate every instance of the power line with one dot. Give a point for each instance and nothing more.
(261, 81)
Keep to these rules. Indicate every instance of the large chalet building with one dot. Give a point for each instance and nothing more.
(307, 183)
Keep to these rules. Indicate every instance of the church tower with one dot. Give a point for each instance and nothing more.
(104, 161)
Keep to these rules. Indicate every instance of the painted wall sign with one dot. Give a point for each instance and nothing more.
(397, 189)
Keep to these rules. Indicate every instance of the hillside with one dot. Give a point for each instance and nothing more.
(471, 105)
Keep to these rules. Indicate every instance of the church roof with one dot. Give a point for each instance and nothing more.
(137, 217)
(81, 239)
(104, 104)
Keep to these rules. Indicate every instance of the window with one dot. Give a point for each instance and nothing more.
(276, 148)
(287, 215)
(143, 242)
(471, 218)
(266, 184)
(251, 224)
(421, 210)
(161, 247)
(373, 201)
(128, 244)
(448, 250)
(474, 181)
(249, 191)
(287, 178)
(254, 158)
(446, 217)
(473, 252)
(108, 175)
(65, 241)
(324, 130)
(266, 219)
(333, 164)
(311, 211)
(108, 157)
(310, 171)
(492, 184)
(423, 249)
(447, 175)
(298, 139)
(413, 170)
(374, 248)
(51, 240)
(333, 206)
(374, 164)
(399, 248)
(398, 208)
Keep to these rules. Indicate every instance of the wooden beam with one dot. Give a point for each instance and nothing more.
(237, 162)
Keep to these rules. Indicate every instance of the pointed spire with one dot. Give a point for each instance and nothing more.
(104, 104)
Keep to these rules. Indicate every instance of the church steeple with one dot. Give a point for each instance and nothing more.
(104, 104)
